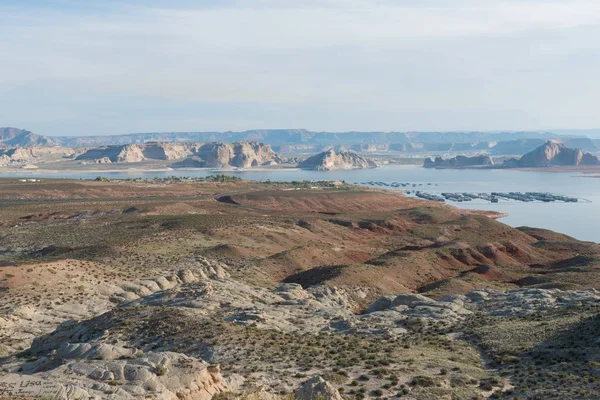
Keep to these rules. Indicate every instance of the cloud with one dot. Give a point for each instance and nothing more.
(390, 64)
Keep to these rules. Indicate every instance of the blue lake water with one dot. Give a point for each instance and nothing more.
(580, 220)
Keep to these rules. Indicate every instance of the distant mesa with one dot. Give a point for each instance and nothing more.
(132, 153)
(458, 162)
(330, 160)
(553, 153)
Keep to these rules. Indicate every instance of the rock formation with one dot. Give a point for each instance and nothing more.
(239, 154)
(99, 370)
(27, 154)
(304, 141)
(554, 153)
(458, 162)
(522, 146)
(551, 153)
(318, 388)
(330, 161)
(202, 155)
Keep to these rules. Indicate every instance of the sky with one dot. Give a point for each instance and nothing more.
(100, 67)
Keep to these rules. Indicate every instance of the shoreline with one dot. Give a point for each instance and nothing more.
(587, 172)
(29, 171)
(9, 170)
(584, 170)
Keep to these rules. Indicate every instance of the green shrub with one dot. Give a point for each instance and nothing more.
(160, 370)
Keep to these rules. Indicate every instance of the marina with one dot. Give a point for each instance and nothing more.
(495, 197)
(461, 197)
(393, 184)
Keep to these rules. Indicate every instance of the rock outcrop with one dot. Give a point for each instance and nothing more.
(458, 162)
(24, 323)
(115, 374)
(318, 388)
(554, 153)
(194, 155)
(330, 161)
(134, 153)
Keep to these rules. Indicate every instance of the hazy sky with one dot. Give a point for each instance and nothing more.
(75, 67)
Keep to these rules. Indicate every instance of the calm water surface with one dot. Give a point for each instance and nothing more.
(580, 220)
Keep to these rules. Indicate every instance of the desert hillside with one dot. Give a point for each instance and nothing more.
(199, 288)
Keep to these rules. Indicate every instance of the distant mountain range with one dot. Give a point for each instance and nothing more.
(301, 140)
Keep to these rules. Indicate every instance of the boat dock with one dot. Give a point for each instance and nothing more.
(419, 190)
(495, 197)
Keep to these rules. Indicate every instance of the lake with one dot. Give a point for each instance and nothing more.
(580, 220)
